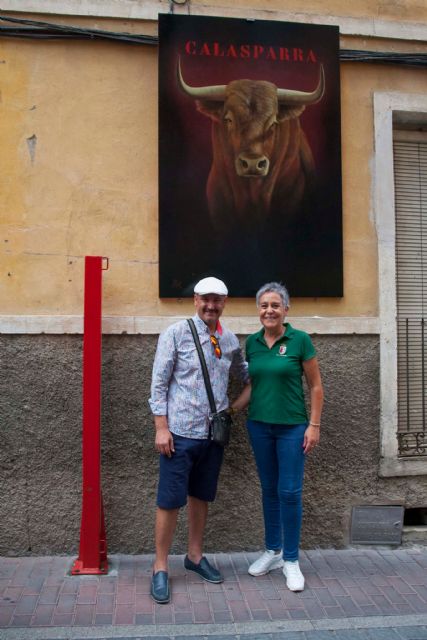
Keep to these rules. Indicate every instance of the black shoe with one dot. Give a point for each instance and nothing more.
(204, 569)
(160, 587)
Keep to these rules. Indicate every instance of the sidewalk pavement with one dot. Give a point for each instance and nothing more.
(354, 594)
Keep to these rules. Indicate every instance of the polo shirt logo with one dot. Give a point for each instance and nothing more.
(282, 350)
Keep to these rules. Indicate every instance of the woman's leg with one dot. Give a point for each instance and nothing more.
(264, 448)
(290, 459)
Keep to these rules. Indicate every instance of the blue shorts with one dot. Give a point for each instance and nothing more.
(192, 470)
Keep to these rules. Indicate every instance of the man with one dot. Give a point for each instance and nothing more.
(189, 461)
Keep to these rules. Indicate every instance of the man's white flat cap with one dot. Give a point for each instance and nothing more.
(210, 285)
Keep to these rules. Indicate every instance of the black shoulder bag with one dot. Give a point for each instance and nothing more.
(220, 422)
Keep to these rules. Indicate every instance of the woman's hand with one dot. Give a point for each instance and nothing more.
(243, 400)
(312, 375)
(311, 438)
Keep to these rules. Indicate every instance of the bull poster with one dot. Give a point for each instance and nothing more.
(249, 155)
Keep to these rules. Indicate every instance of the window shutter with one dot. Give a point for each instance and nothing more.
(410, 175)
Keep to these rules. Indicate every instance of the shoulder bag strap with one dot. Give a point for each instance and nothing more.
(204, 367)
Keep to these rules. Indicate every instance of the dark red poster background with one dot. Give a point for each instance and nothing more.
(305, 253)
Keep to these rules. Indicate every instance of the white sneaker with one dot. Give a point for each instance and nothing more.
(266, 562)
(293, 575)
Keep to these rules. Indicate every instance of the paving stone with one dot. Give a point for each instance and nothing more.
(318, 635)
(325, 597)
(21, 620)
(124, 614)
(84, 615)
(202, 612)
(6, 613)
(218, 601)
(269, 593)
(233, 592)
(43, 615)
(70, 585)
(384, 605)
(240, 563)
(260, 614)
(314, 609)
(422, 592)
(298, 614)
(144, 618)
(335, 612)
(222, 617)
(239, 611)
(144, 603)
(350, 634)
(103, 619)
(11, 595)
(105, 603)
(163, 614)
(38, 592)
(177, 585)
(314, 581)
(62, 619)
(413, 633)
(49, 595)
(26, 605)
(334, 587)
(359, 596)
(382, 634)
(107, 585)
(417, 604)
(125, 594)
(145, 638)
(87, 594)
(278, 610)
(184, 617)
(393, 596)
(197, 593)
(369, 610)
(348, 605)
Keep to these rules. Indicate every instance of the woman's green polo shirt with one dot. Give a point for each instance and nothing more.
(277, 395)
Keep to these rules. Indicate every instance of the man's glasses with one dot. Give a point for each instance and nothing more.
(216, 347)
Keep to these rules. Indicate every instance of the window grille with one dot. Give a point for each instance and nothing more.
(410, 175)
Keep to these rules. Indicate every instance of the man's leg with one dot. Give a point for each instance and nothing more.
(197, 516)
(165, 529)
(201, 490)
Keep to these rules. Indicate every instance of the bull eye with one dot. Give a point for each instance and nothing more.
(228, 121)
(271, 130)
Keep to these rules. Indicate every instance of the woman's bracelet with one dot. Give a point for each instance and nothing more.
(314, 424)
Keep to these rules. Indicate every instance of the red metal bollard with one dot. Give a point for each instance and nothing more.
(93, 545)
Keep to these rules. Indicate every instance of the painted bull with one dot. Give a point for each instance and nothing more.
(262, 161)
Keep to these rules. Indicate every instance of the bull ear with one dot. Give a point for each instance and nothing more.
(210, 108)
(287, 112)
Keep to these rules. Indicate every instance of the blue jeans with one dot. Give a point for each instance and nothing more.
(280, 459)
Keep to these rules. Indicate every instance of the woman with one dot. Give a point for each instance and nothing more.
(280, 433)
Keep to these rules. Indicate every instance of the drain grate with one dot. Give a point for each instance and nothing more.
(376, 525)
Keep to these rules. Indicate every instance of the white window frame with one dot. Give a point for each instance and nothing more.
(401, 107)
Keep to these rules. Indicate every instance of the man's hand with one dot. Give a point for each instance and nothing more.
(164, 438)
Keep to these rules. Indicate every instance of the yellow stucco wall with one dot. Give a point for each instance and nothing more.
(79, 173)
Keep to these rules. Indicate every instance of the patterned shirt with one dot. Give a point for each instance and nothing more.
(178, 389)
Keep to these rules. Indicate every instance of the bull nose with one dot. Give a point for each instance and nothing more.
(248, 166)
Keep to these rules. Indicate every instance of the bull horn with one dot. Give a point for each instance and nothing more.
(215, 92)
(288, 96)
